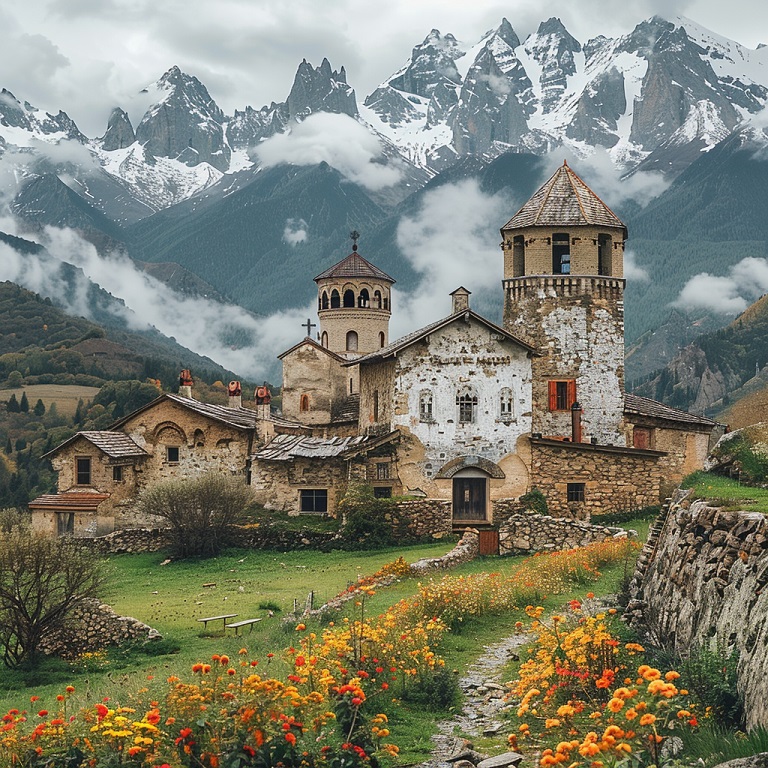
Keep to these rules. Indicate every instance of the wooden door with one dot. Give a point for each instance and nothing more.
(469, 498)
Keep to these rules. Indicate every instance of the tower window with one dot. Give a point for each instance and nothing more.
(467, 403)
(377, 299)
(561, 253)
(518, 256)
(351, 341)
(363, 300)
(425, 406)
(562, 394)
(604, 249)
(324, 301)
(324, 339)
(386, 302)
(304, 403)
(506, 404)
(382, 339)
(575, 492)
(349, 298)
(335, 299)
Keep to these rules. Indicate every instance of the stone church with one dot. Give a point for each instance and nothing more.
(463, 410)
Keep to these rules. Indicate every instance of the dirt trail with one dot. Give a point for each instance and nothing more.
(482, 688)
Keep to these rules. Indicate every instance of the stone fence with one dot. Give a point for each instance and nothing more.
(524, 532)
(93, 625)
(467, 548)
(425, 518)
(701, 581)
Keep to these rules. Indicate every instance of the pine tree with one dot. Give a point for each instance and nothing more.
(79, 412)
(24, 404)
(39, 408)
(9, 447)
(13, 404)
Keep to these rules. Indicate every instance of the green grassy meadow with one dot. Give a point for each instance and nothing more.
(727, 492)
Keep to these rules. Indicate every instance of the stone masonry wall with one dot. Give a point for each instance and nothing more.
(94, 626)
(426, 517)
(701, 581)
(528, 532)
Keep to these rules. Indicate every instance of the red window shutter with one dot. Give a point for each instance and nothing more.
(552, 395)
(571, 392)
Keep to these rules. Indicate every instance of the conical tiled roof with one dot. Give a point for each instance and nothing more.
(564, 201)
(355, 265)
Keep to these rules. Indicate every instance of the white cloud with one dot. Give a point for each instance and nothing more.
(295, 232)
(202, 325)
(449, 250)
(726, 294)
(340, 141)
(632, 270)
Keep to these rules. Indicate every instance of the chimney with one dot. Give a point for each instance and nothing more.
(235, 392)
(262, 397)
(460, 299)
(185, 383)
(576, 411)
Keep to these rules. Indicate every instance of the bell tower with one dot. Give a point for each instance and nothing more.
(564, 294)
(354, 304)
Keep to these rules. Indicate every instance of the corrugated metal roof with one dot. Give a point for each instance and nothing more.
(565, 200)
(75, 500)
(412, 338)
(355, 265)
(644, 406)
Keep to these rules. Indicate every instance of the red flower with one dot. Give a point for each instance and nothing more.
(230, 671)
(357, 701)
(291, 739)
(43, 713)
(249, 750)
(300, 661)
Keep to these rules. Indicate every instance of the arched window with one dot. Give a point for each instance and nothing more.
(604, 248)
(351, 341)
(324, 301)
(377, 299)
(304, 403)
(349, 298)
(506, 404)
(324, 339)
(561, 253)
(518, 256)
(382, 339)
(425, 405)
(386, 302)
(364, 299)
(467, 403)
(335, 299)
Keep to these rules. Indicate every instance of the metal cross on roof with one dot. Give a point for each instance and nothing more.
(309, 325)
(355, 236)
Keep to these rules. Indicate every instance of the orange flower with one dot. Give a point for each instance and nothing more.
(291, 739)
(648, 719)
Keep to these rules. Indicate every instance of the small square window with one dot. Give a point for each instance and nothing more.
(384, 492)
(172, 454)
(562, 394)
(117, 474)
(575, 492)
(313, 500)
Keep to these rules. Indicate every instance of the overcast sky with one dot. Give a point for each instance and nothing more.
(87, 56)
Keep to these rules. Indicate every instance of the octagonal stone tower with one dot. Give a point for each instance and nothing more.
(564, 294)
(354, 304)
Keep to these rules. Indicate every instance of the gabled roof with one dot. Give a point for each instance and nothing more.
(238, 418)
(355, 265)
(289, 447)
(116, 445)
(76, 500)
(405, 341)
(564, 201)
(312, 343)
(634, 405)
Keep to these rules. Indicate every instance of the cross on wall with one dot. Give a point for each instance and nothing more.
(309, 325)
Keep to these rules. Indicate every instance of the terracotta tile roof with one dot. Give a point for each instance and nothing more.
(355, 265)
(116, 445)
(289, 447)
(74, 500)
(565, 200)
(412, 338)
(634, 405)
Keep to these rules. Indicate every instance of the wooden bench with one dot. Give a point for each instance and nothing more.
(223, 618)
(237, 624)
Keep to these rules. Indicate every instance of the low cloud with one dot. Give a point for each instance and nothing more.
(295, 231)
(449, 250)
(632, 270)
(727, 294)
(233, 337)
(338, 140)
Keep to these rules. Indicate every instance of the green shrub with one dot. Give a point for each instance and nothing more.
(367, 522)
(535, 500)
(436, 692)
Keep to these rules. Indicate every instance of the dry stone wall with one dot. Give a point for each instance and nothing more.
(701, 582)
(524, 532)
(93, 626)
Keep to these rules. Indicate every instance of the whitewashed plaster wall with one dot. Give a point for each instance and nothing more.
(463, 356)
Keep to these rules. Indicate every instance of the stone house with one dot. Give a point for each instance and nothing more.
(464, 411)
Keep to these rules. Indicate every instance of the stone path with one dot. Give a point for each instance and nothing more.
(483, 692)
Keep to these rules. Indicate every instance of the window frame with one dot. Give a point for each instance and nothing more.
(383, 470)
(575, 493)
(319, 497)
(506, 404)
(426, 406)
(169, 449)
(117, 473)
(561, 394)
(83, 472)
(466, 402)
